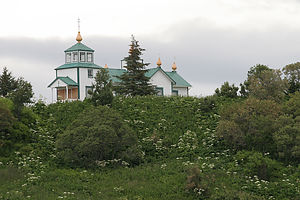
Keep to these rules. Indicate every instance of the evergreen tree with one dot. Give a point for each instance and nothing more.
(7, 83)
(21, 95)
(227, 90)
(133, 81)
(101, 93)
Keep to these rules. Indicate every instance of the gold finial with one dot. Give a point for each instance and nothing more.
(158, 62)
(78, 38)
(105, 66)
(174, 67)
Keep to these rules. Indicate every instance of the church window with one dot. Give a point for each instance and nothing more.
(87, 89)
(160, 91)
(90, 73)
(90, 57)
(82, 56)
(68, 57)
(175, 92)
(75, 57)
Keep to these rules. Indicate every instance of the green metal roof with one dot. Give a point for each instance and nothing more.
(174, 76)
(180, 82)
(79, 47)
(67, 80)
(78, 64)
(150, 72)
(115, 72)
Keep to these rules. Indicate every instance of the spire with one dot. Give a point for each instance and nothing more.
(174, 67)
(78, 38)
(158, 62)
(105, 66)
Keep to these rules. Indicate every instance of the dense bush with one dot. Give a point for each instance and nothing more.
(287, 138)
(6, 124)
(250, 125)
(252, 163)
(98, 134)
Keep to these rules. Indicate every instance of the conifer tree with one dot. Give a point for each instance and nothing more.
(101, 93)
(133, 81)
(7, 83)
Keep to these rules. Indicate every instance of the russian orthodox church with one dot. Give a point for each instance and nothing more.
(74, 79)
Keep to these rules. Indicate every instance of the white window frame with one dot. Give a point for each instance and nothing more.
(84, 56)
(68, 57)
(75, 57)
(89, 59)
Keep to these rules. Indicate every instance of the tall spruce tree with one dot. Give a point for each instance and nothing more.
(7, 83)
(133, 81)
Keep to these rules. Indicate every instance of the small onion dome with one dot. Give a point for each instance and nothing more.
(105, 66)
(174, 67)
(79, 38)
(158, 62)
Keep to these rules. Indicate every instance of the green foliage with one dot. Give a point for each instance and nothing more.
(287, 138)
(60, 115)
(6, 124)
(101, 93)
(268, 85)
(133, 81)
(249, 125)
(254, 71)
(292, 73)
(175, 133)
(19, 91)
(21, 95)
(7, 83)
(98, 134)
(227, 91)
(256, 164)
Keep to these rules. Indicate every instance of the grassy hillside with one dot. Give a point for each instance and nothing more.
(183, 158)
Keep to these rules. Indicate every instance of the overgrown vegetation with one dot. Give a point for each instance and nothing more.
(150, 147)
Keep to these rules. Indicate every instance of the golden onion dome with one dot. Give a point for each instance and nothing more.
(158, 62)
(174, 67)
(105, 66)
(79, 38)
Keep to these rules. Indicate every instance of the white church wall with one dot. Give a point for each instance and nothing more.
(71, 73)
(85, 81)
(159, 79)
(182, 91)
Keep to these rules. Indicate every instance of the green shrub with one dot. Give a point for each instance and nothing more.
(97, 135)
(6, 125)
(252, 163)
(250, 125)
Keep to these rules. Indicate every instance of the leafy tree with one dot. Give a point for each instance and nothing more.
(21, 95)
(268, 85)
(254, 71)
(19, 91)
(7, 83)
(98, 134)
(133, 81)
(287, 138)
(249, 125)
(101, 93)
(292, 73)
(227, 91)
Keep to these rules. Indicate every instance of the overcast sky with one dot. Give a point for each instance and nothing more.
(212, 41)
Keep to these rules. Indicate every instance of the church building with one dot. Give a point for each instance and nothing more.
(74, 79)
